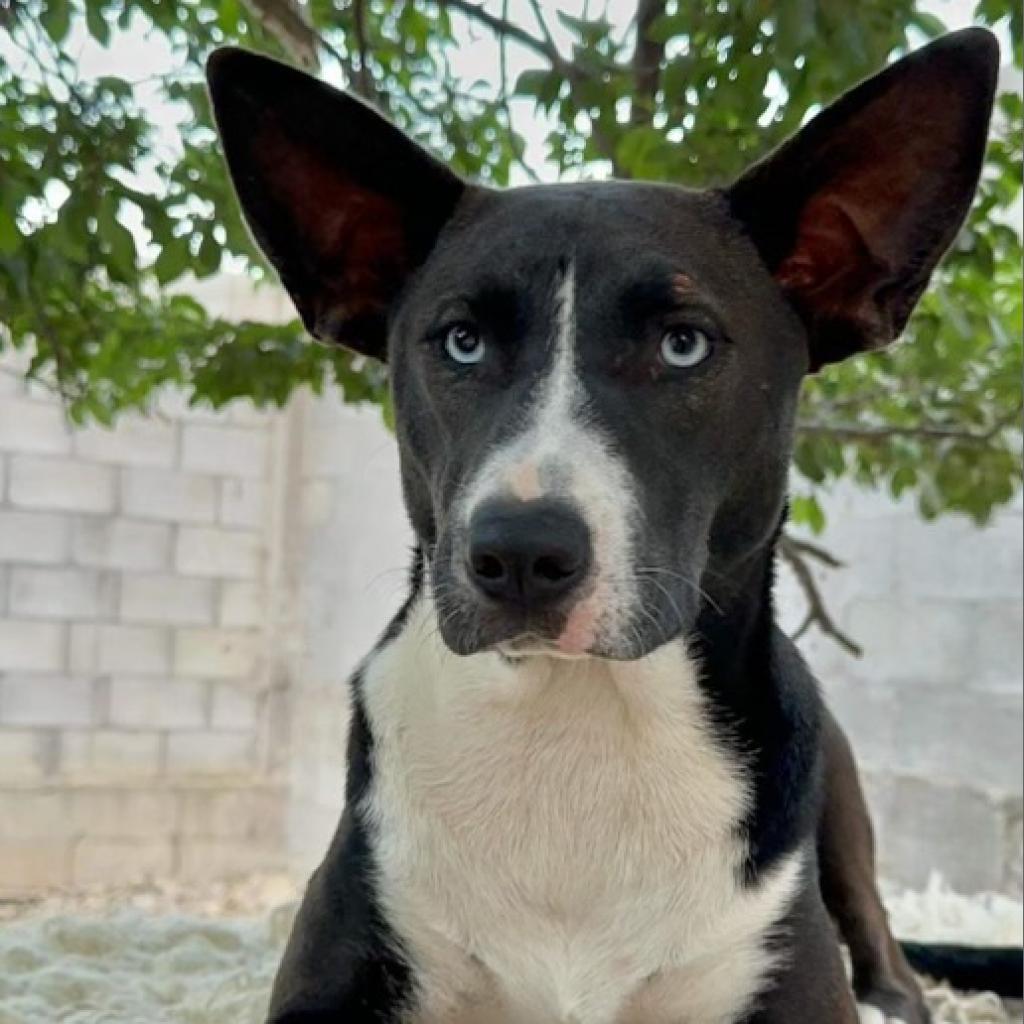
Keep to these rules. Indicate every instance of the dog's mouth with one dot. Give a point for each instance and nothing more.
(532, 646)
(582, 631)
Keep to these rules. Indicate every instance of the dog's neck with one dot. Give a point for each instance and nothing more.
(734, 629)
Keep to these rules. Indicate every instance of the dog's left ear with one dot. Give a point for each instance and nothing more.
(853, 213)
(344, 205)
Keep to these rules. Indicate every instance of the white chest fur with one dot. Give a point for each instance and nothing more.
(557, 841)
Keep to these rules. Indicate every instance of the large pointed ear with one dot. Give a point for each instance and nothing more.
(344, 205)
(853, 213)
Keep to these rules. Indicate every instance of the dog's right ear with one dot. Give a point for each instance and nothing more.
(854, 212)
(344, 205)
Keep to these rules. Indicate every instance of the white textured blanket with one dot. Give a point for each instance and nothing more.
(80, 962)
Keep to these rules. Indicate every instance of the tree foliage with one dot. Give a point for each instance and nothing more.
(688, 92)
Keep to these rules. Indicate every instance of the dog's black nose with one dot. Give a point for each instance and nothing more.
(528, 553)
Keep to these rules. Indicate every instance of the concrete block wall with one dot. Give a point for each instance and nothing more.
(935, 704)
(135, 657)
(934, 708)
(183, 599)
(349, 564)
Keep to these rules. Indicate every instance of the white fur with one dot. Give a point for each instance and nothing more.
(557, 840)
(559, 441)
(872, 1015)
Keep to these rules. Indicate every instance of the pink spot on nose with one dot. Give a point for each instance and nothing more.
(525, 481)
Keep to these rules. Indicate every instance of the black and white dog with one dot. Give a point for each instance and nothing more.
(589, 779)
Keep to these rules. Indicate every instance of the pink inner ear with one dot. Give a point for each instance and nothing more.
(854, 235)
(353, 236)
(860, 229)
(831, 273)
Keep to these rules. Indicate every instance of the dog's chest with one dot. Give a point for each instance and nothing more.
(557, 841)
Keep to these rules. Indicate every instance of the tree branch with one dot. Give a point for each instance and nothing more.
(503, 27)
(647, 57)
(287, 23)
(546, 48)
(364, 83)
(867, 435)
(795, 552)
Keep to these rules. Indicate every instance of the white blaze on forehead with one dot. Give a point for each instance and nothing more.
(560, 453)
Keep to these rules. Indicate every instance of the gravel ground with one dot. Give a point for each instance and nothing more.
(166, 954)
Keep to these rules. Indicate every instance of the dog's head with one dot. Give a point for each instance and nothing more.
(595, 384)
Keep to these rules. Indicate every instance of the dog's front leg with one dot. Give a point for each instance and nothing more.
(810, 986)
(341, 963)
(846, 850)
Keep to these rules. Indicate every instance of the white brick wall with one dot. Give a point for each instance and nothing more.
(167, 598)
(934, 707)
(60, 593)
(209, 551)
(184, 595)
(70, 485)
(119, 543)
(33, 537)
(134, 637)
(173, 496)
(27, 426)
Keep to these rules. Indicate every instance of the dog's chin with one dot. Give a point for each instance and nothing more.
(466, 634)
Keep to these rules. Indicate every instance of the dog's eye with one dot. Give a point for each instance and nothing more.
(685, 346)
(464, 344)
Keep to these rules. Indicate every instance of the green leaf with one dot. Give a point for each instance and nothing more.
(543, 86)
(174, 259)
(208, 257)
(668, 26)
(56, 19)
(10, 236)
(805, 510)
(117, 240)
(97, 24)
(930, 24)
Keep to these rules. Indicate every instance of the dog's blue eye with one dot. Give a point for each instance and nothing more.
(464, 344)
(685, 347)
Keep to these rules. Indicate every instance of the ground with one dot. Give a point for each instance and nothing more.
(165, 954)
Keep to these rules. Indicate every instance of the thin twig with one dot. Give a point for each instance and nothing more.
(571, 72)
(365, 83)
(502, 26)
(805, 547)
(543, 25)
(795, 552)
(514, 141)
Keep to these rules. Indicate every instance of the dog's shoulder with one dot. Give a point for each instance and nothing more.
(342, 950)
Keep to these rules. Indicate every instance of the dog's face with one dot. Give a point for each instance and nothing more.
(595, 384)
(590, 381)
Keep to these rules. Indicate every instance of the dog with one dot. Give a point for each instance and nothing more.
(589, 779)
